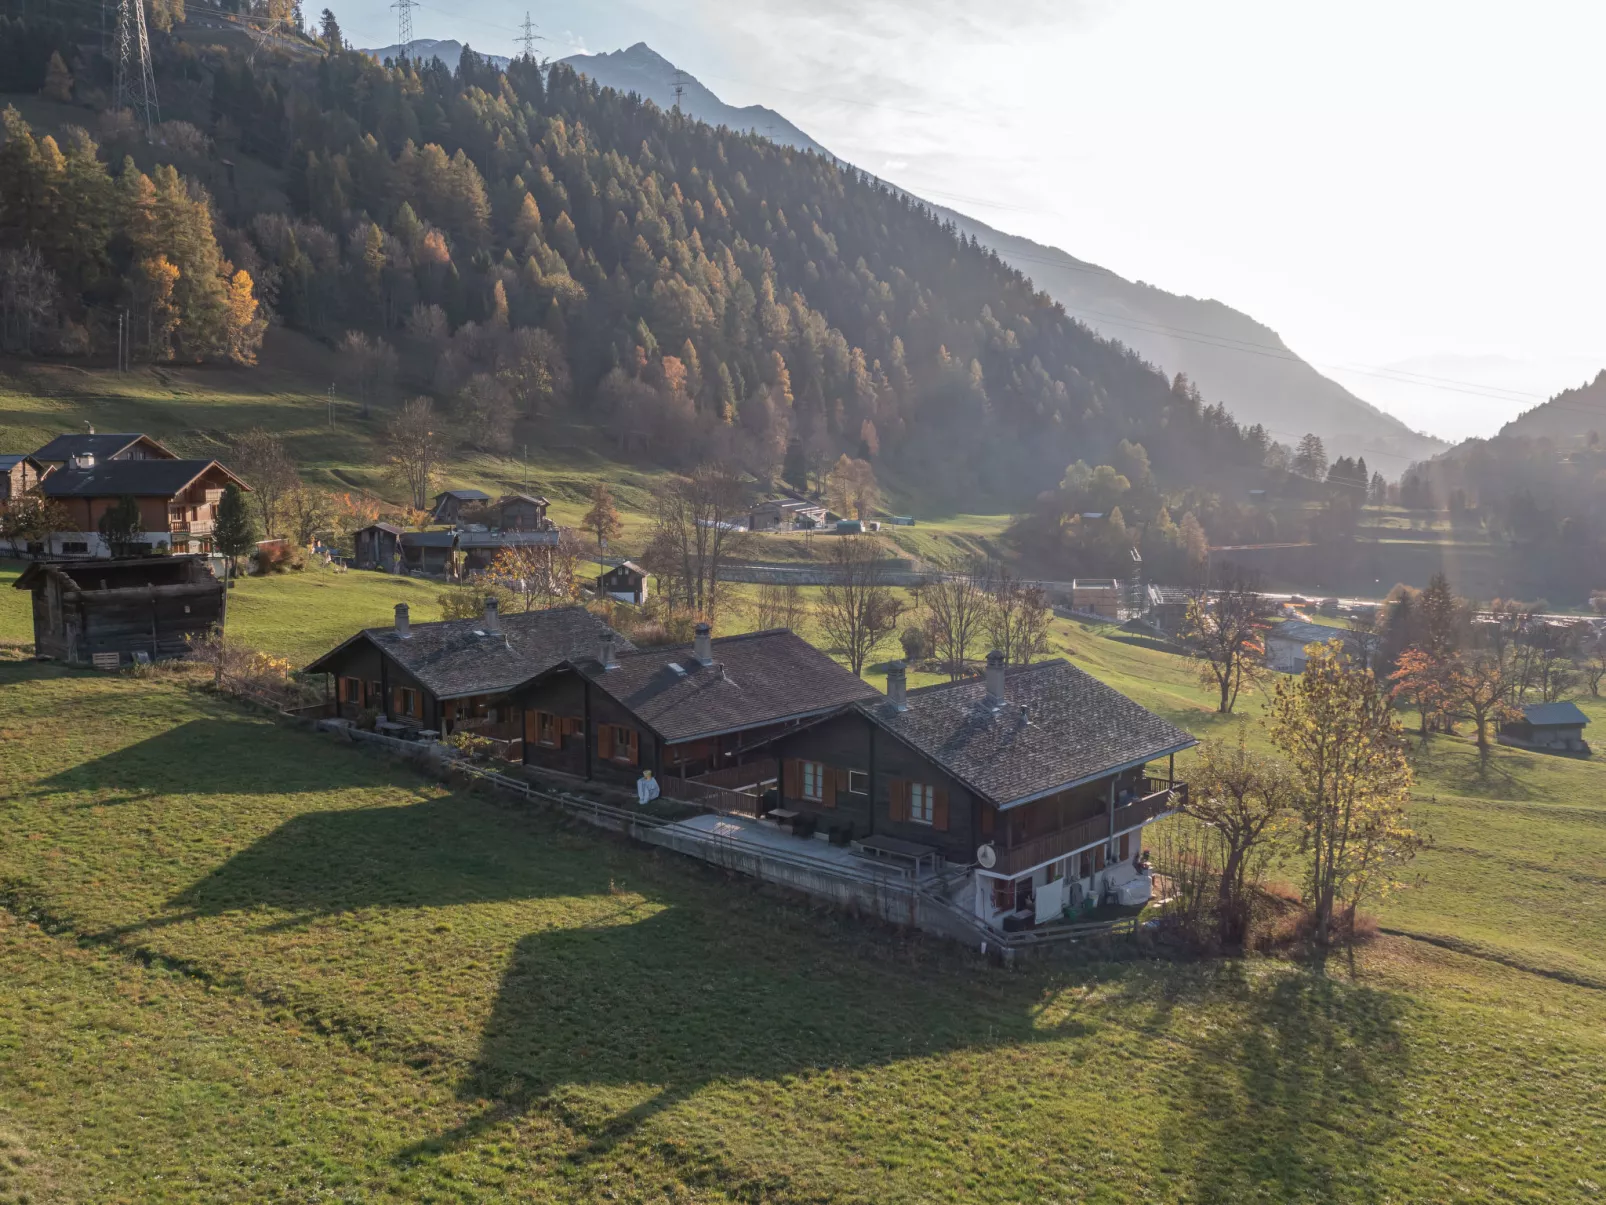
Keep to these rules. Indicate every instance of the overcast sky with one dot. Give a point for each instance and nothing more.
(1410, 194)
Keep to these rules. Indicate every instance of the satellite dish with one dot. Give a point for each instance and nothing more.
(986, 856)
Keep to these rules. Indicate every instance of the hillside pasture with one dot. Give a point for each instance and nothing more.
(250, 962)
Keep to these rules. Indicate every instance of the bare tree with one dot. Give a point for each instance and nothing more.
(858, 610)
(29, 295)
(309, 511)
(781, 606)
(369, 366)
(694, 533)
(260, 458)
(1017, 619)
(414, 449)
(956, 602)
(1225, 631)
(1239, 796)
(542, 575)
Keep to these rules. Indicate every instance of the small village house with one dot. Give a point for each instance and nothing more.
(18, 475)
(1036, 777)
(625, 582)
(1549, 727)
(1286, 642)
(1101, 596)
(429, 551)
(61, 451)
(449, 505)
(112, 612)
(680, 711)
(480, 548)
(456, 674)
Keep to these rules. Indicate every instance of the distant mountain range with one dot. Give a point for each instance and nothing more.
(424, 49)
(1231, 357)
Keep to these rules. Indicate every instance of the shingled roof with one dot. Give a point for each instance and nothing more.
(141, 478)
(1074, 729)
(458, 657)
(756, 679)
(102, 446)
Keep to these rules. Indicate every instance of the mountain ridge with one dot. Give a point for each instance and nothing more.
(1231, 356)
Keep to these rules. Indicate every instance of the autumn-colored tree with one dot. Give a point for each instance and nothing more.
(1477, 684)
(541, 575)
(851, 487)
(1351, 780)
(259, 456)
(154, 282)
(1225, 631)
(1420, 680)
(32, 519)
(602, 520)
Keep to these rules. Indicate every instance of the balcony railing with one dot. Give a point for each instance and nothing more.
(1162, 799)
(194, 527)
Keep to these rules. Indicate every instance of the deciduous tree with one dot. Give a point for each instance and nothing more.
(414, 449)
(1225, 631)
(1351, 779)
(858, 611)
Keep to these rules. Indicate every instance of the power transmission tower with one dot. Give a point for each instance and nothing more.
(127, 93)
(680, 87)
(404, 24)
(528, 37)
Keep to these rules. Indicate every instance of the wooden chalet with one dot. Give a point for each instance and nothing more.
(378, 546)
(1548, 727)
(625, 582)
(456, 674)
(177, 499)
(521, 512)
(449, 505)
(112, 612)
(1035, 776)
(683, 711)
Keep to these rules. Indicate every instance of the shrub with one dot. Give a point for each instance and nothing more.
(916, 643)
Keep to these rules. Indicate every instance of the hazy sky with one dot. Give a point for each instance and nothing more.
(1402, 190)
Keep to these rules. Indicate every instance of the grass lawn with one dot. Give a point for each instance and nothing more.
(245, 962)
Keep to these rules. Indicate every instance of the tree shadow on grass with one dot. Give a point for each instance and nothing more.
(606, 1028)
(435, 853)
(219, 755)
(1299, 1097)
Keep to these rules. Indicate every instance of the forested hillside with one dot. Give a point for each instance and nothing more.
(520, 244)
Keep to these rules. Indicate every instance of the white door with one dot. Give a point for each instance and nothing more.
(1050, 900)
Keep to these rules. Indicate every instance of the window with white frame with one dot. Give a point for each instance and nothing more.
(922, 801)
(813, 781)
(858, 782)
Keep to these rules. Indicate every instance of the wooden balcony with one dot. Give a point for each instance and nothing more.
(1074, 838)
(191, 527)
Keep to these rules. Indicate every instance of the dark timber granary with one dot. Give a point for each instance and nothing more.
(90, 612)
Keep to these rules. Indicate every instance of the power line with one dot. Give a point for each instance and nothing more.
(528, 37)
(404, 24)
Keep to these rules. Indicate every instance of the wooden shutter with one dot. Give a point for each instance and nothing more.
(828, 786)
(532, 727)
(897, 800)
(939, 810)
(635, 746)
(792, 778)
(605, 742)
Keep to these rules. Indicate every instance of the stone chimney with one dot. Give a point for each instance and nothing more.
(605, 652)
(404, 627)
(493, 618)
(995, 678)
(897, 686)
(704, 645)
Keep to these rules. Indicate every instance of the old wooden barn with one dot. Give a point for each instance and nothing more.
(110, 612)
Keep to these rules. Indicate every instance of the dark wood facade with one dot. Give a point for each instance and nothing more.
(626, 582)
(574, 727)
(366, 679)
(378, 546)
(121, 608)
(521, 512)
(872, 784)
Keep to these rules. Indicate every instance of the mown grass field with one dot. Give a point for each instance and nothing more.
(245, 962)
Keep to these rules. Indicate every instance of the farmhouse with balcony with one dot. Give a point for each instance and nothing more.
(456, 674)
(112, 612)
(1035, 776)
(177, 500)
(682, 711)
(521, 512)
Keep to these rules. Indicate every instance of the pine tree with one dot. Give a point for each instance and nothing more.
(121, 526)
(234, 532)
(330, 31)
(58, 80)
(243, 327)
